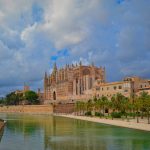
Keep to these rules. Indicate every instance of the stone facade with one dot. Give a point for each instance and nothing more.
(72, 83)
(79, 82)
(25, 89)
(128, 87)
(144, 88)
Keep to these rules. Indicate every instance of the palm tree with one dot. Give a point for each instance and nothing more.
(104, 100)
(112, 104)
(89, 105)
(99, 105)
(145, 98)
(138, 105)
(77, 107)
(82, 107)
(124, 105)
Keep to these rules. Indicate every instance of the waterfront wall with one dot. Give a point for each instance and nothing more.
(37, 109)
(1, 124)
(64, 108)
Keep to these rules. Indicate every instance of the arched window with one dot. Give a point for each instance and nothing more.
(54, 95)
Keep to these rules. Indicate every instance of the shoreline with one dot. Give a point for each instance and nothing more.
(2, 124)
(27, 113)
(119, 123)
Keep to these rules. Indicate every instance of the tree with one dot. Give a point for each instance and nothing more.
(98, 105)
(13, 98)
(138, 105)
(31, 97)
(124, 105)
(89, 105)
(145, 98)
(104, 100)
(77, 106)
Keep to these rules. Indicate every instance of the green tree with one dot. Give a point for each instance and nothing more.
(98, 105)
(104, 101)
(138, 105)
(13, 99)
(124, 105)
(145, 99)
(31, 97)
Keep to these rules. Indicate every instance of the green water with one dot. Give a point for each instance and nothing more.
(43, 132)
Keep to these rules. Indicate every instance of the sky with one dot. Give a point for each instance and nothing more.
(34, 34)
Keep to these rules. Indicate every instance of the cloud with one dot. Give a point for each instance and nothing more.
(35, 33)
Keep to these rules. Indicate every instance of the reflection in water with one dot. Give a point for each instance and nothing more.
(43, 132)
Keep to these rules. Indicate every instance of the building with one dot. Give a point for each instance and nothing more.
(112, 88)
(40, 96)
(79, 82)
(25, 89)
(74, 82)
(144, 88)
(128, 87)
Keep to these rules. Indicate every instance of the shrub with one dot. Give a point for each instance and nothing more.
(131, 114)
(98, 114)
(88, 113)
(116, 114)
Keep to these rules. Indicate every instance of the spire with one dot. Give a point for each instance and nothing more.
(55, 67)
(80, 63)
(45, 74)
(66, 66)
(92, 64)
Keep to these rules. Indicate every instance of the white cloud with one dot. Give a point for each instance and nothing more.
(110, 34)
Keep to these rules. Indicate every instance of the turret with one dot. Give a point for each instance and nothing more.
(92, 64)
(80, 63)
(104, 74)
(55, 68)
(45, 80)
(45, 77)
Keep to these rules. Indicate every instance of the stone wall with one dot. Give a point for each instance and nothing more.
(64, 108)
(37, 109)
(1, 124)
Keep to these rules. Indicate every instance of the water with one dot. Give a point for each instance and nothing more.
(43, 132)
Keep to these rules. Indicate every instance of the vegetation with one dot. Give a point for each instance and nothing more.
(118, 107)
(29, 97)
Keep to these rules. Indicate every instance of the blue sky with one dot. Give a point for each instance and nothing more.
(36, 33)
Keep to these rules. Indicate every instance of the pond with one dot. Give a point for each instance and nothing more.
(45, 132)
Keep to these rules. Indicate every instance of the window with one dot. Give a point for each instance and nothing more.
(97, 88)
(107, 88)
(120, 87)
(115, 87)
(141, 86)
(102, 89)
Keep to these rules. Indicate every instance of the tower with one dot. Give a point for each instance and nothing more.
(26, 87)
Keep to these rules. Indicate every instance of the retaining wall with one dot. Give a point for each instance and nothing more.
(1, 124)
(37, 109)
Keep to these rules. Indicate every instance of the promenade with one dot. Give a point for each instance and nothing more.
(121, 123)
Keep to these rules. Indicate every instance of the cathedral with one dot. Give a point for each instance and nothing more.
(71, 83)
